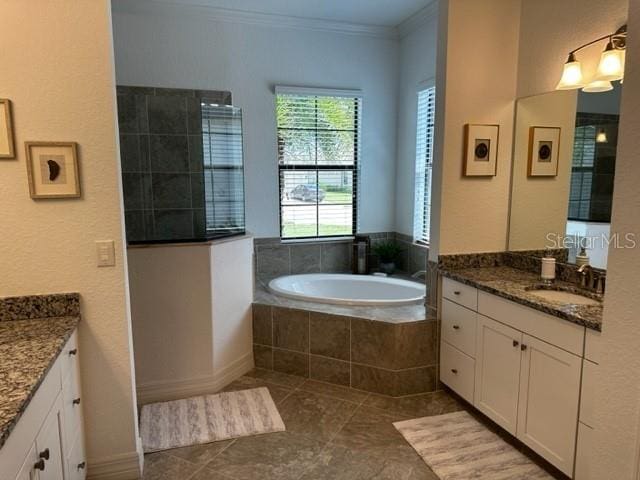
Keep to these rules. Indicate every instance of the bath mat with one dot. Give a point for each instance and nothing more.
(457, 446)
(209, 418)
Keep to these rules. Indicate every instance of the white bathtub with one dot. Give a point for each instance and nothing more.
(345, 289)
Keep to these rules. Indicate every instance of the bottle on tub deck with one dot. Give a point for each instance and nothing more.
(548, 271)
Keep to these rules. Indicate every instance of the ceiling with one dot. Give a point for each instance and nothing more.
(387, 13)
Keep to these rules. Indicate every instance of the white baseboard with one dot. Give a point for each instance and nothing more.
(125, 466)
(173, 389)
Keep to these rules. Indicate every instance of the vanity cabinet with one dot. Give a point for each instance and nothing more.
(527, 369)
(47, 443)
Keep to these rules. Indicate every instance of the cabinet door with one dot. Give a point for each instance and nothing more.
(497, 372)
(548, 408)
(49, 445)
(27, 472)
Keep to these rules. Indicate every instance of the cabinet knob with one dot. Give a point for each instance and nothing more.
(523, 347)
(456, 327)
(457, 292)
(73, 352)
(82, 465)
(44, 454)
(454, 371)
(516, 343)
(76, 401)
(39, 465)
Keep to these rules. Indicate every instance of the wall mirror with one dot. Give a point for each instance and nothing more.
(563, 172)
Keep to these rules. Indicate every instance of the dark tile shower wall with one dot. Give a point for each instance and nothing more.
(162, 161)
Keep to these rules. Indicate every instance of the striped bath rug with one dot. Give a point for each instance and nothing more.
(457, 446)
(209, 418)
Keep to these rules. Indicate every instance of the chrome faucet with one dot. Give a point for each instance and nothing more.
(586, 281)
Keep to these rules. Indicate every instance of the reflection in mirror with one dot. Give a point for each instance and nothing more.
(568, 206)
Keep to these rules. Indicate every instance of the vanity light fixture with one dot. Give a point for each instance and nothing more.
(601, 136)
(610, 68)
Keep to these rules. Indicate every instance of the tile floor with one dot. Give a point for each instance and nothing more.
(332, 432)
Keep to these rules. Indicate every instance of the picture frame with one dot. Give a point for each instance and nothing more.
(544, 151)
(7, 145)
(481, 150)
(52, 169)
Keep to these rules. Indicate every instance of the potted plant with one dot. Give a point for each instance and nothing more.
(388, 254)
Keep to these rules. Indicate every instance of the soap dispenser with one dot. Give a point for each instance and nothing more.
(548, 270)
(582, 258)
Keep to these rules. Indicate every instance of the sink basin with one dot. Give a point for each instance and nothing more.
(564, 297)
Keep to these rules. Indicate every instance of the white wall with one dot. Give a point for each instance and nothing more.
(191, 306)
(417, 65)
(181, 47)
(62, 86)
(476, 83)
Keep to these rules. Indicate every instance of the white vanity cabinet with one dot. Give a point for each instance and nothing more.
(527, 369)
(47, 442)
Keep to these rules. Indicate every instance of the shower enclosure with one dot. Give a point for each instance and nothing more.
(182, 164)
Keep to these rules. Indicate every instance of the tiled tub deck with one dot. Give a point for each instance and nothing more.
(386, 350)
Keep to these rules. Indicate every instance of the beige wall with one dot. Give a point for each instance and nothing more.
(57, 68)
(618, 396)
(539, 205)
(476, 83)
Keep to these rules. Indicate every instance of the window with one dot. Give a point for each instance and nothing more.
(424, 164)
(318, 153)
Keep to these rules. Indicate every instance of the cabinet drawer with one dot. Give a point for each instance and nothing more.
(76, 462)
(72, 408)
(553, 330)
(69, 356)
(457, 371)
(460, 293)
(459, 327)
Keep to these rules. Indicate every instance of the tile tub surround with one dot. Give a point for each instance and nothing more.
(275, 258)
(395, 359)
(162, 161)
(28, 349)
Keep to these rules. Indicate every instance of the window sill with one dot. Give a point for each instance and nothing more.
(293, 241)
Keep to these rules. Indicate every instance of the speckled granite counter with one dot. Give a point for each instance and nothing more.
(393, 314)
(512, 283)
(33, 331)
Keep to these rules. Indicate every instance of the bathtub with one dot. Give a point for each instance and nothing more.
(346, 289)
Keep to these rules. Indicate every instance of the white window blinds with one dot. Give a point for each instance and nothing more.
(424, 164)
(318, 154)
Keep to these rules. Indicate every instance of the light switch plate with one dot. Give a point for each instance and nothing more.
(106, 252)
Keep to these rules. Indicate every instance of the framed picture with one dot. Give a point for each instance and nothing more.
(544, 148)
(480, 150)
(52, 168)
(6, 130)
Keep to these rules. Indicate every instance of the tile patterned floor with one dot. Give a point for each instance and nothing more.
(332, 433)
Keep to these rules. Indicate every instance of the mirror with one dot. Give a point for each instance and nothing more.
(564, 157)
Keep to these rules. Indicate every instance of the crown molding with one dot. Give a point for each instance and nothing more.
(418, 19)
(170, 8)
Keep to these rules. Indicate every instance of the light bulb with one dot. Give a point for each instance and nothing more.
(611, 66)
(571, 75)
(601, 137)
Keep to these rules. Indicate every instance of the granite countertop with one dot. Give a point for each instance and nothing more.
(390, 314)
(512, 283)
(28, 350)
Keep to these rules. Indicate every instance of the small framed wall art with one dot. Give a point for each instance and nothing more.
(6, 130)
(480, 150)
(52, 168)
(544, 148)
